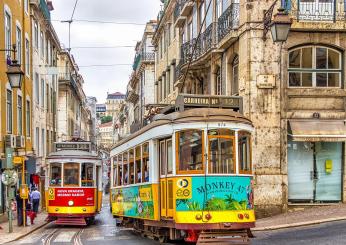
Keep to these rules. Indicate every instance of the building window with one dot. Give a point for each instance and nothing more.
(37, 141)
(9, 111)
(26, 6)
(42, 141)
(218, 82)
(19, 45)
(20, 114)
(36, 35)
(37, 88)
(28, 119)
(235, 77)
(8, 43)
(314, 66)
(42, 93)
(27, 57)
(42, 44)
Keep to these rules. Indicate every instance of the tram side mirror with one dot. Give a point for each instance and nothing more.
(329, 166)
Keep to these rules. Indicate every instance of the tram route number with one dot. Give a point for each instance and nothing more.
(51, 194)
(183, 188)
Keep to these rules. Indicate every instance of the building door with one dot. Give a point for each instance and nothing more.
(166, 183)
(314, 171)
(316, 10)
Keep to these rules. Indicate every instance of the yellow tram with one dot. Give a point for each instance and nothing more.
(186, 175)
(74, 184)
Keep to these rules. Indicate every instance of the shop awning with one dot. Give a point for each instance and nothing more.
(317, 130)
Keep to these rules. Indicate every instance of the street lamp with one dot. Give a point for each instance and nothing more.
(280, 26)
(15, 74)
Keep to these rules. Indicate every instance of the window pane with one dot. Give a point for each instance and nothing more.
(162, 158)
(307, 57)
(138, 164)
(222, 157)
(55, 174)
(131, 167)
(321, 79)
(294, 59)
(87, 174)
(244, 141)
(333, 59)
(169, 157)
(307, 79)
(294, 79)
(333, 79)
(71, 174)
(145, 165)
(190, 150)
(321, 58)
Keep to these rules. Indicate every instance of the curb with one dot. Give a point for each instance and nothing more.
(24, 235)
(298, 224)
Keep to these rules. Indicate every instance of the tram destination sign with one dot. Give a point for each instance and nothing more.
(77, 146)
(188, 100)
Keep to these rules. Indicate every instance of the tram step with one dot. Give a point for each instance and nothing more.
(71, 221)
(227, 237)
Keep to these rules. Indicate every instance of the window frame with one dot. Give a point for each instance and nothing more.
(61, 173)
(177, 156)
(79, 172)
(19, 114)
(250, 153)
(7, 31)
(9, 111)
(313, 70)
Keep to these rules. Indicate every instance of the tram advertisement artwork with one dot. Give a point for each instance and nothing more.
(135, 201)
(80, 196)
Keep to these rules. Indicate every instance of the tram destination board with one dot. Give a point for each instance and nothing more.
(218, 101)
(78, 146)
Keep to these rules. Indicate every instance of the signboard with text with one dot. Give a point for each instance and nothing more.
(80, 196)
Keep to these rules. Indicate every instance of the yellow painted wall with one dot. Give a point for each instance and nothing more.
(17, 15)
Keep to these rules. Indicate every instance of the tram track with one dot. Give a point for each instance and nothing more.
(77, 238)
(50, 236)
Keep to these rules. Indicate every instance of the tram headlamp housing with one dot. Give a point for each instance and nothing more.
(70, 203)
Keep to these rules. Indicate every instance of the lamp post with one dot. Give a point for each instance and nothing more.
(14, 71)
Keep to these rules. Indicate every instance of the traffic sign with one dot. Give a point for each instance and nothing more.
(18, 160)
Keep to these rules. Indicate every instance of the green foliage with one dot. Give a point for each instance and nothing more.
(106, 119)
(216, 204)
(193, 206)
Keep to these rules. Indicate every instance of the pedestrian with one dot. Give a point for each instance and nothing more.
(35, 197)
(19, 201)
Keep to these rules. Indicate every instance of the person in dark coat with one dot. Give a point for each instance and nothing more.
(19, 201)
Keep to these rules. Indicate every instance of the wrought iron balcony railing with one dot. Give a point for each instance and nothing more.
(228, 21)
(178, 8)
(143, 57)
(44, 9)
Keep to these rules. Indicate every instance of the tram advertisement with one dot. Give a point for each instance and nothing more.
(79, 196)
(214, 193)
(134, 201)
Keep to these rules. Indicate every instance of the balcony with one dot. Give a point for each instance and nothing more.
(316, 11)
(182, 9)
(195, 48)
(229, 20)
(44, 9)
(143, 58)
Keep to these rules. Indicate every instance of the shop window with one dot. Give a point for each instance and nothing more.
(190, 151)
(55, 174)
(244, 146)
(145, 165)
(71, 174)
(314, 66)
(138, 164)
(87, 174)
(221, 151)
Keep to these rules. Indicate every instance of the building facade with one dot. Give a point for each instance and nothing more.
(45, 48)
(91, 104)
(296, 87)
(113, 103)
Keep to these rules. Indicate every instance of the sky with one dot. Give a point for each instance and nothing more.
(98, 80)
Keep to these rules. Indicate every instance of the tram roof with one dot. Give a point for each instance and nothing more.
(72, 153)
(190, 116)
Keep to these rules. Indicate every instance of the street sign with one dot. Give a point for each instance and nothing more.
(18, 160)
(24, 192)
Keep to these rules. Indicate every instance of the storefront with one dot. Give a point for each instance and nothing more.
(315, 160)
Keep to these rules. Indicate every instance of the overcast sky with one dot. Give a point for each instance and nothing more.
(102, 79)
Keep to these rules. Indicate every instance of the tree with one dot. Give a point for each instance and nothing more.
(106, 119)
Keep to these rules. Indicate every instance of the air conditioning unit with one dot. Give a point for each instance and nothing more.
(20, 141)
(10, 141)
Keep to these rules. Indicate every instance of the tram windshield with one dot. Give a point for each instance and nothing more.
(71, 174)
(87, 174)
(55, 174)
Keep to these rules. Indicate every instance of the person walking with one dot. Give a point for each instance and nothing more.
(35, 197)
(19, 201)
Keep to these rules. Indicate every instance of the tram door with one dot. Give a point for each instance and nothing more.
(166, 183)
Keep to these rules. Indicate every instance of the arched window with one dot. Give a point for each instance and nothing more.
(314, 66)
(235, 77)
(218, 82)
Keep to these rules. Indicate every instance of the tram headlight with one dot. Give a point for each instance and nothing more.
(70, 203)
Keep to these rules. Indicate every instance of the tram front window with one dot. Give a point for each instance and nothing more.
(190, 151)
(87, 174)
(71, 174)
(55, 174)
(244, 144)
(221, 151)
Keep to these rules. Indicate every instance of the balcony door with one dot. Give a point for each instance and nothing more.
(316, 10)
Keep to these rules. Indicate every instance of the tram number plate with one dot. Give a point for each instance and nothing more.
(183, 190)
(51, 194)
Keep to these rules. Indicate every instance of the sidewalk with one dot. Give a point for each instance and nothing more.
(302, 217)
(19, 232)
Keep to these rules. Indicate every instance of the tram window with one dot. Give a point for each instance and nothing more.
(125, 168)
(244, 144)
(221, 151)
(190, 151)
(131, 167)
(138, 164)
(145, 165)
(87, 174)
(115, 170)
(71, 174)
(162, 158)
(120, 180)
(55, 174)
(169, 153)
